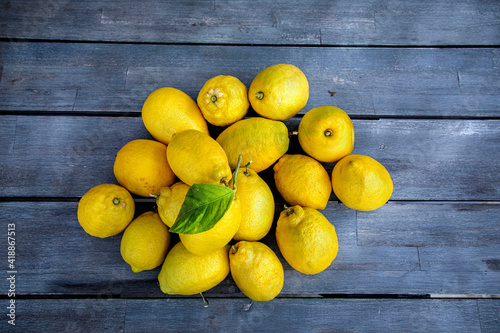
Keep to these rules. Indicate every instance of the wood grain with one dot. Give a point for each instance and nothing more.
(419, 78)
(69, 315)
(466, 225)
(428, 159)
(312, 315)
(297, 315)
(55, 256)
(96, 78)
(260, 22)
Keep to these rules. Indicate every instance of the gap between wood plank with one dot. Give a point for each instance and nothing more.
(153, 200)
(223, 296)
(423, 46)
(137, 114)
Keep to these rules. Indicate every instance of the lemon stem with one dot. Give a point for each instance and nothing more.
(234, 249)
(236, 172)
(223, 182)
(328, 132)
(247, 173)
(259, 95)
(116, 201)
(213, 98)
(288, 210)
(293, 133)
(205, 302)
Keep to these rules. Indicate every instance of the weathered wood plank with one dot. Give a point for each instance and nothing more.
(300, 315)
(49, 240)
(367, 81)
(462, 225)
(58, 77)
(453, 258)
(489, 314)
(296, 315)
(428, 159)
(424, 155)
(68, 315)
(36, 99)
(257, 22)
(48, 150)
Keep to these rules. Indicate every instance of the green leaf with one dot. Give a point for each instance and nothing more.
(203, 207)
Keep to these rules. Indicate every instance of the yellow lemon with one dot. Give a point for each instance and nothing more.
(256, 270)
(169, 202)
(145, 242)
(197, 158)
(184, 273)
(169, 110)
(279, 92)
(141, 167)
(361, 182)
(262, 141)
(301, 180)
(217, 237)
(257, 206)
(326, 133)
(105, 210)
(223, 100)
(306, 239)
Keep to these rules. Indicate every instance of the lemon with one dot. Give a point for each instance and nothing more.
(223, 100)
(141, 167)
(217, 237)
(361, 182)
(184, 273)
(169, 110)
(326, 133)
(169, 202)
(256, 270)
(145, 242)
(306, 239)
(279, 92)
(197, 158)
(301, 180)
(257, 206)
(262, 141)
(105, 210)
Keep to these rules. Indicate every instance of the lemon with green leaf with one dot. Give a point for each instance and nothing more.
(169, 202)
(209, 217)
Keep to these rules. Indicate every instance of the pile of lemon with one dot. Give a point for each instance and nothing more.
(208, 190)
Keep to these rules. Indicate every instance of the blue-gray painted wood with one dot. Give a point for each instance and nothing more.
(257, 22)
(296, 315)
(438, 237)
(484, 258)
(464, 225)
(48, 235)
(427, 159)
(68, 315)
(301, 315)
(54, 77)
(489, 314)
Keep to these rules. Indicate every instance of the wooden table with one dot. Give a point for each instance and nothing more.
(420, 79)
